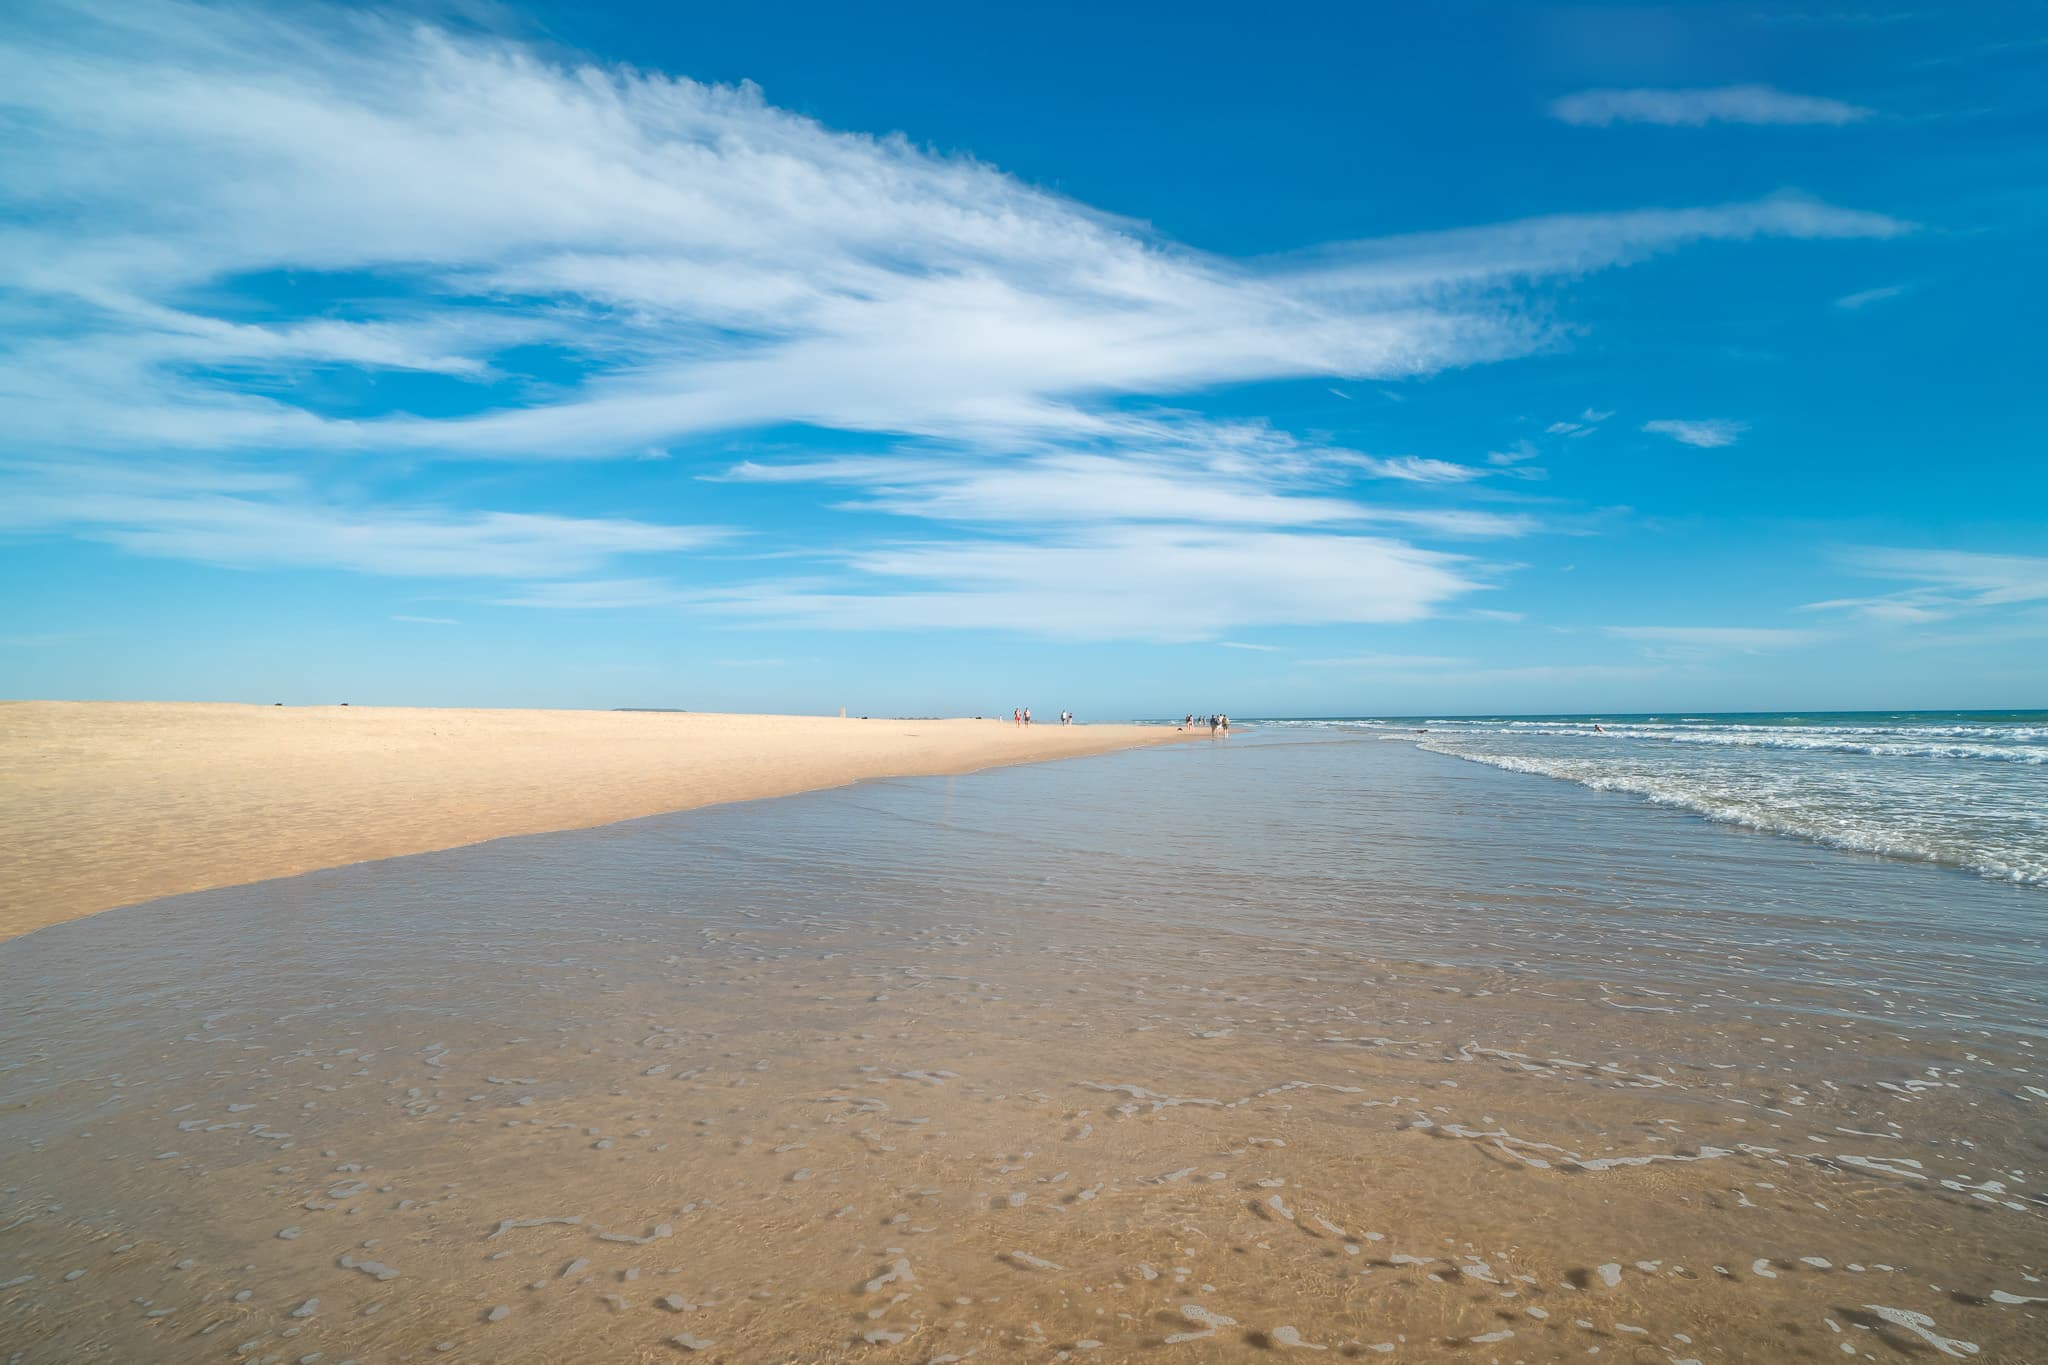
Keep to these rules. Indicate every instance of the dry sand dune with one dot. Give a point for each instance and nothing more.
(105, 804)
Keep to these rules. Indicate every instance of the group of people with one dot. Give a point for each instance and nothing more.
(1218, 724)
(1022, 716)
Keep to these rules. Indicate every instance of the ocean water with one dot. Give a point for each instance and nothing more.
(1967, 789)
(1300, 1039)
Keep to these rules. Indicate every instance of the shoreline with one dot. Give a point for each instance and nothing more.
(108, 804)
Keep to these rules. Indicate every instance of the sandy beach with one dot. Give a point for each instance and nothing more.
(105, 804)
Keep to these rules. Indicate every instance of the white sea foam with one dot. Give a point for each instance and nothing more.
(1969, 795)
(1985, 741)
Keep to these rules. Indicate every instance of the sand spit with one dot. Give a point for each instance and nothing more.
(105, 803)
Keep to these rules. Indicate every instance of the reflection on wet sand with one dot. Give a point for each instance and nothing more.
(632, 1095)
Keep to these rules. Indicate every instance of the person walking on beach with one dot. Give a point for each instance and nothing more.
(1027, 715)
(1016, 715)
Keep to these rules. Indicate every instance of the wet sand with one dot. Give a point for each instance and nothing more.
(105, 804)
(826, 1140)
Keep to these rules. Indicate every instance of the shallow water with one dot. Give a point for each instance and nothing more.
(1289, 1042)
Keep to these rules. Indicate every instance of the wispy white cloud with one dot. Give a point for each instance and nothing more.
(1753, 104)
(1433, 264)
(1456, 523)
(1240, 644)
(275, 522)
(1164, 583)
(1944, 583)
(1518, 460)
(428, 620)
(1059, 490)
(1865, 297)
(1982, 579)
(1905, 609)
(1706, 433)
(1418, 469)
(1276, 484)
(1585, 424)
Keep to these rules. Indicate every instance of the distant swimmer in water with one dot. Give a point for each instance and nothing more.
(1596, 728)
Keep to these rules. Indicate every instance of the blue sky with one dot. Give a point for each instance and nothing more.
(1129, 359)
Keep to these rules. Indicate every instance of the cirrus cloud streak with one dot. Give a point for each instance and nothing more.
(1751, 104)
